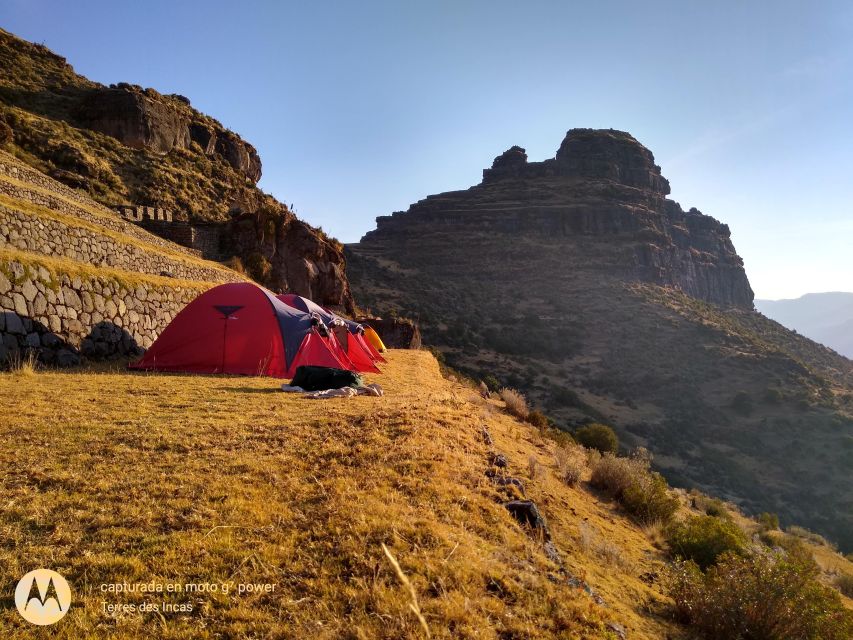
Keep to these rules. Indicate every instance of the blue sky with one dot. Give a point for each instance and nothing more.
(360, 108)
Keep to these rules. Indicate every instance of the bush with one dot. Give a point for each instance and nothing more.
(257, 266)
(599, 437)
(844, 582)
(768, 521)
(648, 499)
(811, 536)
(492, 383)
(614, 475)
(705, 538)
(711, 506)
(515, 403)
(643, 493)
(767, 596)
(571, 463)
(538, 419)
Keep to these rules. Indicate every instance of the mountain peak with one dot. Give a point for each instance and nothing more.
(589, 154)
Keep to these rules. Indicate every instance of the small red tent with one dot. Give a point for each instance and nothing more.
(240, 328)
(351, 341)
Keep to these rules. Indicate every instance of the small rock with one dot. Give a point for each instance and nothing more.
(552, 553)
(526, 512)
(487, 437)
(618, 629)
(498, 460)
(507, 481)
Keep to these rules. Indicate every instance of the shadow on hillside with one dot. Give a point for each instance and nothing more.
(275, 389)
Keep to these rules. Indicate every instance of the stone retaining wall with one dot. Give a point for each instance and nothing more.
(54, 238)
(65, 317)
(58, 200)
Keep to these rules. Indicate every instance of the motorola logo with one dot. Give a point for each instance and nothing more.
(42, 597)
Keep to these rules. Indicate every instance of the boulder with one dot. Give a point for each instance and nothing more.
(396, 333)
(135, 119)
(14, 325)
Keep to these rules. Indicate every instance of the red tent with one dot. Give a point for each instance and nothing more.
(351, 342)
(240, 328)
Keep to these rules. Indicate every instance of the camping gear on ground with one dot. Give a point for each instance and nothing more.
(343, 392)
(353, 346)
(317, 383)
(312, 378)
(241, 328)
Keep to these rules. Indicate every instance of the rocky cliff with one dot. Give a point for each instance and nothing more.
(602, 188)
(123, 144)
(576, 280)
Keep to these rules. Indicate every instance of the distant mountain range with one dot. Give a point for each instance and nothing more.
(824, 317)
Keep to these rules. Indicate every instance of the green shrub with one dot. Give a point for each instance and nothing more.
(844, 582)
(768, 521)
(598, 436)
(648, 499)
(705, 538)
(538, 419)
(761, 596)
(643, 493)
(492, 383)
(715, 507)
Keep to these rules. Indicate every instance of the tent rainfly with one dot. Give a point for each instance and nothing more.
(242, 328)
(351, 340)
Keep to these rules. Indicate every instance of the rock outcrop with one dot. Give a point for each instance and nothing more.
(602, 187)
(144, 119)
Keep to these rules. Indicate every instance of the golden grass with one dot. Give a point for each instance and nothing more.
(111, 477)
(23, 364)
(37, 211)
(60, 265)
(515, 403)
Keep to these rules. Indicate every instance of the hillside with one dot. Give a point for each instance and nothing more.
(583, 285)
(125, 145)
(214, 479)
(303, 495)
(824, 317)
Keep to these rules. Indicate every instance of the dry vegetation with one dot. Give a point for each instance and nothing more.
(515, 402)
(117, 477)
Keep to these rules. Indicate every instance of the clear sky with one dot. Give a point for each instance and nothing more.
(360, 108)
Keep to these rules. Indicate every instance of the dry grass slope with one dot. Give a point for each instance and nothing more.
(116, 477)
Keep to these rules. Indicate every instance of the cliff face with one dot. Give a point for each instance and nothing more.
(602, 187)
(144, 119)
(123, 144)
(578, 282)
